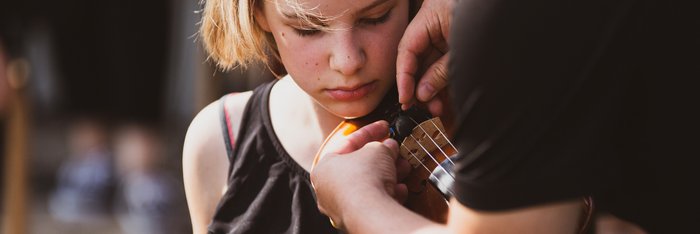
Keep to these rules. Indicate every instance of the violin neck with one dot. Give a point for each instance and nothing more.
(428, 149)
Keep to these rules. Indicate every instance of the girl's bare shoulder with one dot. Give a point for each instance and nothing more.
(204, 135)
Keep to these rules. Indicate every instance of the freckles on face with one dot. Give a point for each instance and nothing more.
(315, 61)
(360, 16)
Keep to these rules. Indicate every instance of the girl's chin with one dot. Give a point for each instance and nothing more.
(351, 111)
(351, 115)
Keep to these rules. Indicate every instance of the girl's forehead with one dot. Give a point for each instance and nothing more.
(328, 8)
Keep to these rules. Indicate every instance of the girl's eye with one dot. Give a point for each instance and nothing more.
(379, 20)
(368, 21)
(306, 32)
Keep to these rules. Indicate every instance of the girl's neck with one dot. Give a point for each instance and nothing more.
(311, 113)
(327, 121)
(299, 122)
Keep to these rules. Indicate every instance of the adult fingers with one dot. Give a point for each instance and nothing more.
(435, 106)
(428, 29)
(403, 168)
(434, 79)
(406, 87)
(393, 147)
(376, 131)
(401, 193)
(414, 43)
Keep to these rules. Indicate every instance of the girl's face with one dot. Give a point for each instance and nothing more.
(349, 67)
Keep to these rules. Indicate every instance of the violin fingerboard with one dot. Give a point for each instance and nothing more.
(424, 145)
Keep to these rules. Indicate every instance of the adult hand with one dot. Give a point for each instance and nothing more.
(424, 45)
(360, 168)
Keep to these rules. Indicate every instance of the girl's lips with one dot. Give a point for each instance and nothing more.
(351, 94)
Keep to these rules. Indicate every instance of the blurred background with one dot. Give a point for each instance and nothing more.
(95, 100)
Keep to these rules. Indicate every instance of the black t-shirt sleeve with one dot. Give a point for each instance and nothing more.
(535, 110)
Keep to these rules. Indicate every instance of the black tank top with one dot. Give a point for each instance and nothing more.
(268, 191)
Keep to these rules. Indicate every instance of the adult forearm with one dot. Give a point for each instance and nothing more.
(380, 213)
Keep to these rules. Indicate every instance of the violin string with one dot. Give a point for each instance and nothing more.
(432, 140)
(430, 173)
(447, 139)
(432, 157)
(417, 159)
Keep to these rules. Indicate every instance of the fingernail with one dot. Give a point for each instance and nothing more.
(426, 92)
(384, 123)
(391, 144)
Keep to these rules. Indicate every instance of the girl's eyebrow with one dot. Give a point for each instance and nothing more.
(317, 20)
(313, 18)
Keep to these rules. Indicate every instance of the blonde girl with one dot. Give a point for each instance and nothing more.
(247, 156)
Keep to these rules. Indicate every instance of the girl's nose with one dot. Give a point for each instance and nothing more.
(347, 55)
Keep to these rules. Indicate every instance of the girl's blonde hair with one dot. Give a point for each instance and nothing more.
(232, 37)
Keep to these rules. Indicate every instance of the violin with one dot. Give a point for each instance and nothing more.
(424, 143)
